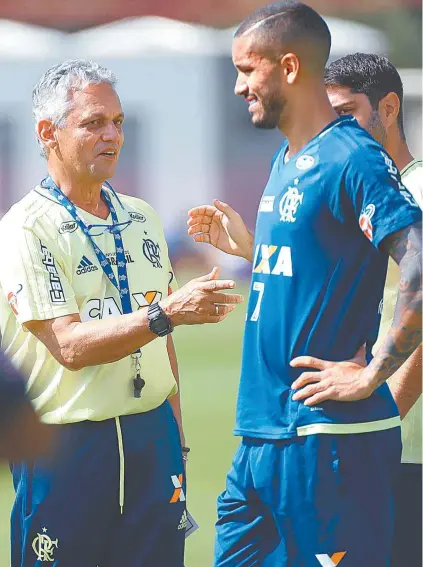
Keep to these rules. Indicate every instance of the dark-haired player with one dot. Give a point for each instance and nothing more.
(369, 87)
(311, 482)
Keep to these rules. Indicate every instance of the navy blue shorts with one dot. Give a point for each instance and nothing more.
(407, 541)
(67, 511)
(320, 500)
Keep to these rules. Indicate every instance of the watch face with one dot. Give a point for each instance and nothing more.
(159, 325)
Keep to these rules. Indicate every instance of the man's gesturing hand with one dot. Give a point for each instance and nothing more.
(222, 227)
(201, 301)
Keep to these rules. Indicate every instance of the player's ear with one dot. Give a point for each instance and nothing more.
(290, 66)
(46, 132)
(389, 107)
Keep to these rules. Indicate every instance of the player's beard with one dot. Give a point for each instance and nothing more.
(270, 116)
(376, 128)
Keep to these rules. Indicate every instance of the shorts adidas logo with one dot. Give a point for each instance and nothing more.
(183, 521)
(85, 266)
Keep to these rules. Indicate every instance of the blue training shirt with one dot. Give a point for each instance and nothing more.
(318, 279)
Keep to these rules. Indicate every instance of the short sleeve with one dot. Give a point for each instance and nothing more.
(32, 280)
(382, 204)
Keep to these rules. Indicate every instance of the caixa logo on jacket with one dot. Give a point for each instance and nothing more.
(108, 307)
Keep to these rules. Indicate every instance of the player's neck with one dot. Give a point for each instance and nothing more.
(83, 193)
(397, 148)
(306, 119)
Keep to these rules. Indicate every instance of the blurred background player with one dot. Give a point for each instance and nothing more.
(369, 88)
(314, 472)
(87, 273)
(22, 435)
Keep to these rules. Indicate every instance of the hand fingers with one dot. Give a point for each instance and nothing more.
(199, 219)
(220, 310)
(227, 298)
(217, 285)
(208, 210)
(308, 391)
(203, 228)
(310, 362)
(202, 238)
(208, 277)
(224, 208)
(323, 396)
(223, 310)
(307, 378)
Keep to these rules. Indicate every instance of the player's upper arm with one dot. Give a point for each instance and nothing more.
(31, 277)
(381, 203)
(406, 242)
(56, 335)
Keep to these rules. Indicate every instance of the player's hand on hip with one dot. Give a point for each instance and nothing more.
(201, 300)
(340, 381)
(222, 227)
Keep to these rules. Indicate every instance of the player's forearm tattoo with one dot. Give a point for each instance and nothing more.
(405, 335)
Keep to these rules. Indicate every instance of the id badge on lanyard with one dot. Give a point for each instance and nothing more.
(122, 283)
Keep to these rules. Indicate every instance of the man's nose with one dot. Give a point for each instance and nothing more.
(111, 132)
(240, 86)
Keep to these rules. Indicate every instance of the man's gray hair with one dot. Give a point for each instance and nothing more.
(52, 95)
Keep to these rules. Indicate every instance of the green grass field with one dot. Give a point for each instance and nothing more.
(209, 359)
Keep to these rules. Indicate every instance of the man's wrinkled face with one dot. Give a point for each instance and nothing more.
(92, 137)
(259, 83)
(344, 101)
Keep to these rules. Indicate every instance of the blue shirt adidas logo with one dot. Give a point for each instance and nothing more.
(85, 265)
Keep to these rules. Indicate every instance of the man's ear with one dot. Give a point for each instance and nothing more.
(389, 108)
(290, 65)
(46, 132)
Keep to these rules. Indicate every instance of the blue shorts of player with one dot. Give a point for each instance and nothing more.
(318, 500)
(67, 512)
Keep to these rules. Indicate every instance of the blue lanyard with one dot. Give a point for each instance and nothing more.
(122, 283)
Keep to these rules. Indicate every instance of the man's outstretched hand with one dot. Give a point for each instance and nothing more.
(222, 227)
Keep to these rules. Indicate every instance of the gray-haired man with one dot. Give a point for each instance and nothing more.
(87, 273)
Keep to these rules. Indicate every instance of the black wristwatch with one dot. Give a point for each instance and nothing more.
(158, 322)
